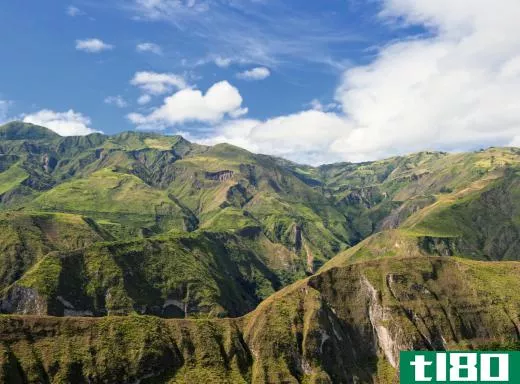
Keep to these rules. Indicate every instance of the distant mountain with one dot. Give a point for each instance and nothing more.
(374, 258)
(24, 131)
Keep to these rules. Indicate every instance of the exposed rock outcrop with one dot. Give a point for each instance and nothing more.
(219, 176)
(25, 301)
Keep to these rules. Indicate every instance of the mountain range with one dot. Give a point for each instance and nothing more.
(146, 258)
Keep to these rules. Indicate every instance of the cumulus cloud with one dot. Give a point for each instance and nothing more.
(158, 83)
(304, 137)
(258, 73)
(187, 105)
(455, 88)
(68, 123)
(239, 112)
(118, 101)
(149, 47)
(93, 46)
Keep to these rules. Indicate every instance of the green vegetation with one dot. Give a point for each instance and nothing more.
(109, 194)
(28, 237)
(24, 131)
(11, 178)
(315, 331)
(199, 274)
(417, 251)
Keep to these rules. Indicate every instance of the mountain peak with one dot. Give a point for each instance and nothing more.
(18, 130)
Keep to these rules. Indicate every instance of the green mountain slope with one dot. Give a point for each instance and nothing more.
(24, 131)
(202, 274)
(198, 264)
(383, 194)
(28, 237)
(480, 222)
(200, 181)
(137, 189)
(116, 198)
(342, 325)
(484, 223)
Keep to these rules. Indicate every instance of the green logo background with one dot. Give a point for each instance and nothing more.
(407, 371)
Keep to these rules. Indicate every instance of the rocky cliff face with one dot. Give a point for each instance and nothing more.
(219, 176)
(344, 325)
(25, 301)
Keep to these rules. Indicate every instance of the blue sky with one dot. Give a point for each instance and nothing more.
(314, 81)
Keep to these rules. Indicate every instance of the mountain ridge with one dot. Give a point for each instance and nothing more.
(293, 218)
(218, 264)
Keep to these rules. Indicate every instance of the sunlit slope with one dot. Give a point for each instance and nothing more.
(137, 223)
(28, 237)
(227, 185)
(343, 325)
(116, 197)
(383, 194)
(479, 222)
(137, 191)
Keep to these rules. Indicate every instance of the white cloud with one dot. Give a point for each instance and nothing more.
(93, 45)
(456, 88)
(68, 123)
(158, 83)
(155, 9)
(4, 109)
(304, 137)
(258, 73)
(223, 62)
(192, 105)
(149, 47)
(270, 38)
(74, 11)
(319, 106)
(144, 99)
(118, 101)
(515, 142)
(239, 112)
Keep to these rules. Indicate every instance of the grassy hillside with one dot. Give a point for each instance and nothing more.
(142, 188)
(12, 178)
(481, 221)
(171, 262)
(28, 237)
(201, 274)
(265, 193)
(23, 131)
(383, 194)
(116, 197)
(485, 222)
(346, 324)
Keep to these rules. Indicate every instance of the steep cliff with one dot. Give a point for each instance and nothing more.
(344, 325)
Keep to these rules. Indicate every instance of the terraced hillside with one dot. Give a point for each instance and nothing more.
(167, 261)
